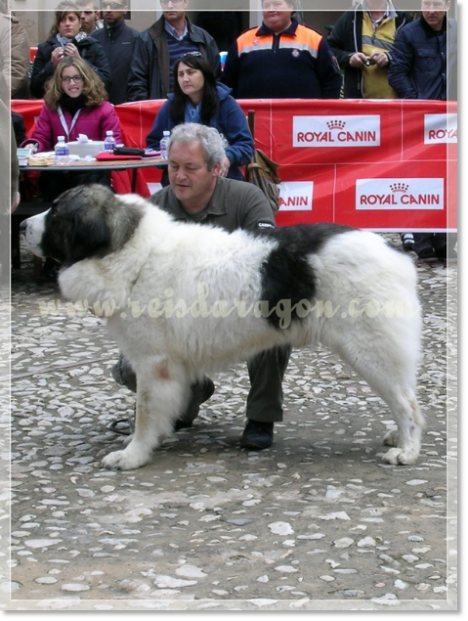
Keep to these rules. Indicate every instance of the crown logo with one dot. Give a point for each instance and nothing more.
(399, 187)
(336, 124)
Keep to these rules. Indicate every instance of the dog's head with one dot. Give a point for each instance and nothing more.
(84, 222)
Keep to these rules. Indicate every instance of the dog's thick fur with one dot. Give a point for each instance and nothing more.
(183, 299)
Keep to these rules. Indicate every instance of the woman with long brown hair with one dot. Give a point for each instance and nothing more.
(75, 103)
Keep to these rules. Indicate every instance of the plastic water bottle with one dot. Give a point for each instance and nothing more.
(222, 59)
(61, 151)
(163, 144)
(109, 142)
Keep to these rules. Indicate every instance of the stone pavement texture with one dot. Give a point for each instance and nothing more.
(316, 522)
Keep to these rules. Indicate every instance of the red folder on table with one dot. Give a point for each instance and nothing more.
(105, 157)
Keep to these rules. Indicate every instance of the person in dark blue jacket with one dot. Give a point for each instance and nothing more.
(66, 39)
(197, 98)
(424, 66)
(424, 63)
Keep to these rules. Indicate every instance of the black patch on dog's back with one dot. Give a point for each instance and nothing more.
(286, 273)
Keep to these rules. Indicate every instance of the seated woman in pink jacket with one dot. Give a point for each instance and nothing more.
(75, 103)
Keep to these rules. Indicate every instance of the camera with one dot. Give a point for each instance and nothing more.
(368, 62)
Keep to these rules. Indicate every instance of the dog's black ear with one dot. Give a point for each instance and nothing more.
(82, 217)
(91, 236)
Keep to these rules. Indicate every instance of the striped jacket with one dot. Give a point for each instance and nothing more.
(297, 64)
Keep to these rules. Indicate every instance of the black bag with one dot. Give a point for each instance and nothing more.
(262, 172)
(128, 151)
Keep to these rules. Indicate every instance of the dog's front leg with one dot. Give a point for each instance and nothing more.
(161, 396)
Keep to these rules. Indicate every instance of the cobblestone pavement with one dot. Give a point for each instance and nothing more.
(316, 522)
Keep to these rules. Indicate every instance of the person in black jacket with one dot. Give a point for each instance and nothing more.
(118, 42)
(362, 41)
(425, 67)
(160, 46)
(65, 39)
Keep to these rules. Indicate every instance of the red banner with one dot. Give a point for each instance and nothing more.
(381, 165)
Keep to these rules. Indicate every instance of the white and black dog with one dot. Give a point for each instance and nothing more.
(182, 299)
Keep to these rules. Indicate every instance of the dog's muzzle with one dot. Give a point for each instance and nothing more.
(32, 230)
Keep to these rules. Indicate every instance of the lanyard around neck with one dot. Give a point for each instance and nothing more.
(65, 124)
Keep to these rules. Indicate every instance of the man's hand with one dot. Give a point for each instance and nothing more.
(357, 60)
(379, 58)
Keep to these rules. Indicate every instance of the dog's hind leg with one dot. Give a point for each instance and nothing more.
(161, 397)
(392, 375)
(406, 439)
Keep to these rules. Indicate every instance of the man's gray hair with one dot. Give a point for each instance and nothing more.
(291, 3)
(212, 142)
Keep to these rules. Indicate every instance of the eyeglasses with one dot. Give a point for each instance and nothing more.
(77, 79)
(173, 2)
(113, 6)
(436, 6)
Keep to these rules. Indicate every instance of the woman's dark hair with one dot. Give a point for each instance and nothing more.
(210, 100)
(61, 11)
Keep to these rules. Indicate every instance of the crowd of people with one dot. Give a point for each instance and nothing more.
(93, 60)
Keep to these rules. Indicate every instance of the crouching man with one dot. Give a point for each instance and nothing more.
(198, 193)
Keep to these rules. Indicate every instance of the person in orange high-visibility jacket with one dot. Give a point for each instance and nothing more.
(281, 59)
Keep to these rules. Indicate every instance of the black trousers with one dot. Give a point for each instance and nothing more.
(434, 244)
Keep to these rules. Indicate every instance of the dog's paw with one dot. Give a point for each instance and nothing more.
(126, 459)
(391, 438)
(398, 456)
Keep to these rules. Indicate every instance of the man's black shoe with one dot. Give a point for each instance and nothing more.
(208, 389)
(182, 424)
(427, 253)
(201, 392)
(257, 435)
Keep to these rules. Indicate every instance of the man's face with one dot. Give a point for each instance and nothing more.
(377, 5)
(276, 14)
(191, 181)
(173, 9)
(434, 11)
(88, 17)
(113, 12)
